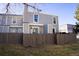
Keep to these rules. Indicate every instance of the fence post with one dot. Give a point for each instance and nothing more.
(55, 38)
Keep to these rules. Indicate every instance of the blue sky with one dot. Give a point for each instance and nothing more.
(64, 11)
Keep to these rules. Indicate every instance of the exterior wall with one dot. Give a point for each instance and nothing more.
(41, 29)
(2, 19)
(6, 21)
(56, 26)
(23, 21)
(50, 28)
(26, 28)
(45, 28)
(16, 18)
(63, 28)
(43, 19)
(4, 29)
(25, 14)
(68, 28)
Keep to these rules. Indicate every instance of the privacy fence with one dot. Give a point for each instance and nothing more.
(11, 38)
(36, 39)
(45, 39)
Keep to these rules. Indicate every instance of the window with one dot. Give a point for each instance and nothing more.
(15, 30)
(14, 21)
(35, 30)
(53, 30)
(54, 21)
(35, 18)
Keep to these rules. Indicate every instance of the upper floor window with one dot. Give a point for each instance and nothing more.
(14, 21)
(54, 21)
(35, 18)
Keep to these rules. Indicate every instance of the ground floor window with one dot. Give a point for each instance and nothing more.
(35, 30)
(53, 30)
(15, 30)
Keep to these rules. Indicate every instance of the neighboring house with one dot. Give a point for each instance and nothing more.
(11, 23)
(29, 23)
(67, 28)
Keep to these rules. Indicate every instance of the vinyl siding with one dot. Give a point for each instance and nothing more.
(43, 19)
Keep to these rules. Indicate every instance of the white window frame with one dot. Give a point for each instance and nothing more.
(36, 27)
(32, 28)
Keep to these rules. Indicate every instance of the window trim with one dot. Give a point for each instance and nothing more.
(37, 28)
(34, 20)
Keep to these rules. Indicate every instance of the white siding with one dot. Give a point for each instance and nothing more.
(49, 28)
(26, 28)
(68, 28)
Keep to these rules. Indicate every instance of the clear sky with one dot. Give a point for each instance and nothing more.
(64, 11)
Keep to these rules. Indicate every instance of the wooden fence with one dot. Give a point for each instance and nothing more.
(36, 39)
(45, 39)
(66, 38)
(11, 38)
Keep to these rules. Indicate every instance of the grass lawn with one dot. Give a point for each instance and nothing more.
(49, 50)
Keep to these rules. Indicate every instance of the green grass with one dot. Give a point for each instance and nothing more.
(49, 50)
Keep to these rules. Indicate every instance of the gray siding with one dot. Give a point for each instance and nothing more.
(8, 19)
(43, 18)
(45, 28)
(4, 29)
(47, 20)
(3, 22)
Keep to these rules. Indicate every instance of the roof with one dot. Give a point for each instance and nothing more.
(44, 13)
(10, 14)
(66, 24)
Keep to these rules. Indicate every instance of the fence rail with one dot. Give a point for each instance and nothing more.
(45, 39)
(36, 39)
(11, 38)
